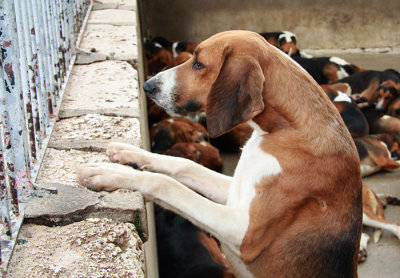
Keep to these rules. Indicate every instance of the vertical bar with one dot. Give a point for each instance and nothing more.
(54, 16)
(29, 90)
(66, 33)
(29, 48)
(38, 71)
(60, 39)
(5, 211)
(40, 13)
(44, 85)
(10, 108)
(49, 22)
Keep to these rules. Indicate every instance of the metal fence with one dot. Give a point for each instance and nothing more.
(38, 39)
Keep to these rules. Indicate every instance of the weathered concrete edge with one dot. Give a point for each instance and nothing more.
(73, 204)
(131, 112)
(88, 145)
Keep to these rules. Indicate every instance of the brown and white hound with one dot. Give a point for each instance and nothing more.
(293, 207)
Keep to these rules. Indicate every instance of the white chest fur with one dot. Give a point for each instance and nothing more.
(254, 164)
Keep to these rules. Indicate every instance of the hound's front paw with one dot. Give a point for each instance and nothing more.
(128, 154)
(103, 176)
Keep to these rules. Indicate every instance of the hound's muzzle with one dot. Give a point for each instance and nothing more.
(150, 88)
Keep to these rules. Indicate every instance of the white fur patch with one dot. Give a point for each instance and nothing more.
(254, 164)
(368, 169)
(174, 46)
(387, 149)
(364, 241)
(165, 80)
(257, 128)
(381, 225)
(341, 73)
(379, 105)
(339, 61)
(342, 97)
(287, 36)
(156, 44)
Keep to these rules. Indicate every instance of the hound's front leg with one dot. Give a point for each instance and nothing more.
(173, 195)
(211, 184)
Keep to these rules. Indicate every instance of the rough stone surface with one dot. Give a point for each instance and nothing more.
(127, 5)
(103, 5)
(113, 16)
(67, 200)
(59, 166)
(115, 42)
(131, 112)
(114, 4)
(71, 204)
(95, 127)
(87, 145)
(91, 248)
(85, 58)
(104, 85)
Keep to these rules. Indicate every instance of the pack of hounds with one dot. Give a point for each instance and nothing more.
(368, 101)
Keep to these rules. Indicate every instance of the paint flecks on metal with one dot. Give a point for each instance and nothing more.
(37, 39)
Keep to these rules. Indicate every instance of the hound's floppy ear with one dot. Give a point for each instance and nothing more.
(236, 95)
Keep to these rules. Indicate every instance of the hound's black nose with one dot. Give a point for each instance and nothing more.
(150, 87)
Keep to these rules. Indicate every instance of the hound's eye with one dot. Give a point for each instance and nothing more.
(197, 65)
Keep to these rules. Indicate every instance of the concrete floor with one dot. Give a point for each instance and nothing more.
(383, 257)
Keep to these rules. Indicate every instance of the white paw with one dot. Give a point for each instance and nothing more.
(362, 254)
(103, 176)
(128, 154)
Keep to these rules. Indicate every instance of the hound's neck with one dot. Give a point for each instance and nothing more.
(294, 102)
(292, 99)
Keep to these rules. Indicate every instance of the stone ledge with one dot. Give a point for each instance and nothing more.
(114, 4)
(72, 204)
(90, 146)
(113, 42)
(131, 112)
(59, 166)
(103, 85)
(95, 127)
(89, 248)
(85, 58)
(118, 17)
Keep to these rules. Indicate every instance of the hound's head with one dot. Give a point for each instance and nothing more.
(287, 43)
(224, 77)
(385, 94)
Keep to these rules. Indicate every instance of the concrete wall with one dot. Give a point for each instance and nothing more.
(317, 24)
